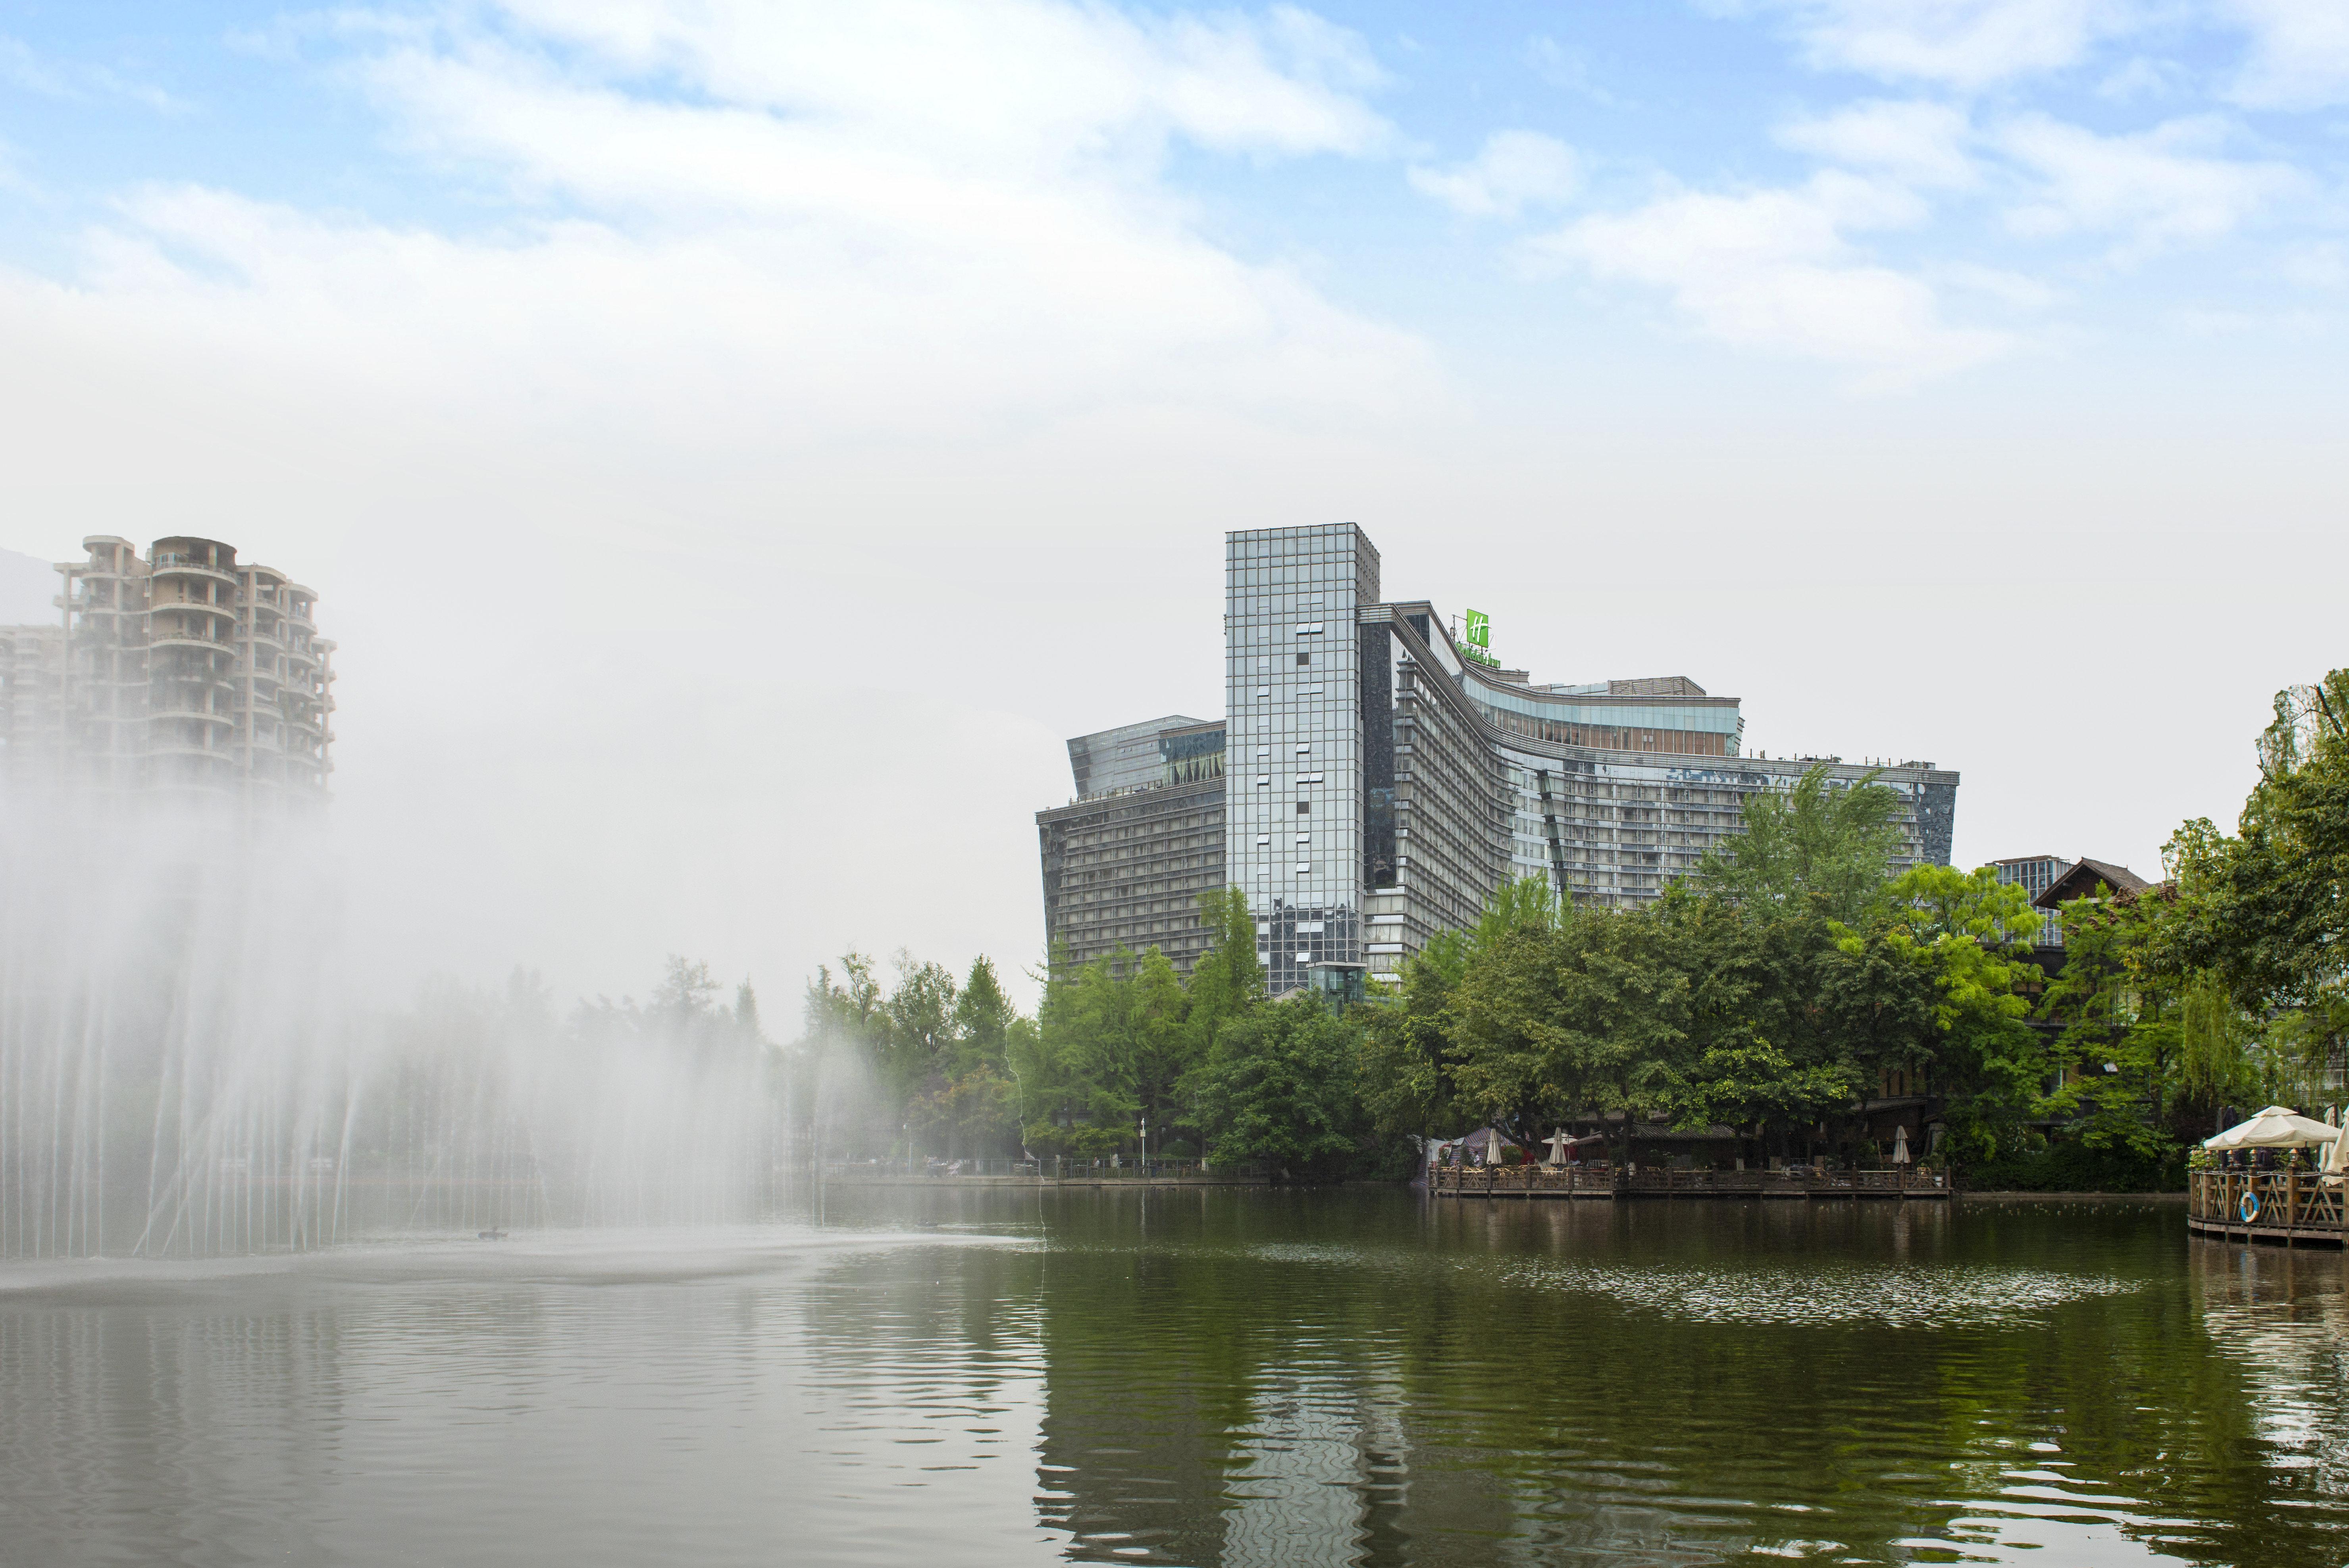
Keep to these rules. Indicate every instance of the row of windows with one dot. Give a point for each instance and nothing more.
(1240, 581)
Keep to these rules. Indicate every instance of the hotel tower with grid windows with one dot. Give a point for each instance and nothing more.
(1377, 778)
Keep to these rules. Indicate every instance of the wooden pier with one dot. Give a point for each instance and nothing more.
(1570, 1181)
(2285, 1208)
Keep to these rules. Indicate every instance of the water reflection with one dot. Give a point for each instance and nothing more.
(1494, 1382)
(1201, 1377)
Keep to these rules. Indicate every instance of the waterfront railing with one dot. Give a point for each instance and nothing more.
(1667, 1181)
(2280, 1200)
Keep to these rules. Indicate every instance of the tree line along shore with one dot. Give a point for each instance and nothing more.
(1773, 993)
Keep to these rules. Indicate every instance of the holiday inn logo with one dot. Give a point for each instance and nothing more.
(1476, 640)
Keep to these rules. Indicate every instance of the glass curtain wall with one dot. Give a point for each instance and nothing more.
(1293, 829)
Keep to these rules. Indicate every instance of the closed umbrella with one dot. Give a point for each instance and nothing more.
(1559, 1141)
(1901, 1145)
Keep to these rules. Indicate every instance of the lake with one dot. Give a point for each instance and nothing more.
(1225, 1376)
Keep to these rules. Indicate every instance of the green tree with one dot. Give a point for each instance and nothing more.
(1782, 1029)
(1408, 1055)
(1228, 980)
(983, 1017)
(2112, 1067)
(1405, 1073)
(686, 989)
(1819, 840)
(1527, 904)
(1970, 936)
(1112, 1047)
(2265, 913)
(1750, 1083)
(918, 1045)
(1277, 1086)
(1588, 1014)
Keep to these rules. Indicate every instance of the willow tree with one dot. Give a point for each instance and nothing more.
(1820, 843)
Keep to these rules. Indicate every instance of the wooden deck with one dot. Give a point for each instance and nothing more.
(2289, 1208)
(1572, 1182)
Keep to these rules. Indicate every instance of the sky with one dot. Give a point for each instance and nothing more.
(736, 444)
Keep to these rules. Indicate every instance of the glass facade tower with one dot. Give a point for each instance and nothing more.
(1294, 783)
(1379, 780)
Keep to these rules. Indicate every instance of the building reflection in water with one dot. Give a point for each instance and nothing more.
(1203, 1377)
(1495, 1383)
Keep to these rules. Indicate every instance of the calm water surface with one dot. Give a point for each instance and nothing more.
(952, 1377)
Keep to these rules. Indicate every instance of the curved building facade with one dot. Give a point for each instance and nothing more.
(1382, 778)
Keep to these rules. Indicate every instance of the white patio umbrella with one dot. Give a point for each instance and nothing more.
(1559, 1141)
(2278, 1127)
(1901, 1145)
(2336, 1157)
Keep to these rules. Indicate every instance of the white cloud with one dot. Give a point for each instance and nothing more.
(1564, 69)
(1966, 44)
(813, 219)
(1774, 270)
(996, 81)
(2321, 264)
(2011, 290)
(1515, 170)
(1920, 144)
(2142, 77)
(2299, 53)
(29, 72)
(70, 81)
(823, 320)
(2160, 187)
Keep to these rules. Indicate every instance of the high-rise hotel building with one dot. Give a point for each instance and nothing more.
(1380, 777)
(181, 673)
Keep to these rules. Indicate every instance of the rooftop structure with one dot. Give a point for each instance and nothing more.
(2081, 879)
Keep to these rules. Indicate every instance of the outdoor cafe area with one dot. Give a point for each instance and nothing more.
(1485, 1164)
(2277, 1178)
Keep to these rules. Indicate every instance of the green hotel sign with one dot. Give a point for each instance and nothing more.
(1478, 642)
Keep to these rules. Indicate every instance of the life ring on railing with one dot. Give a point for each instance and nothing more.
(2249, 1209)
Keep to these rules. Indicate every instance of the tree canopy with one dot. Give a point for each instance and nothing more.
(1790, 983)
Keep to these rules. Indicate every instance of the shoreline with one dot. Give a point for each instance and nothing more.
(2074, 1197)
(1016, 1182)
